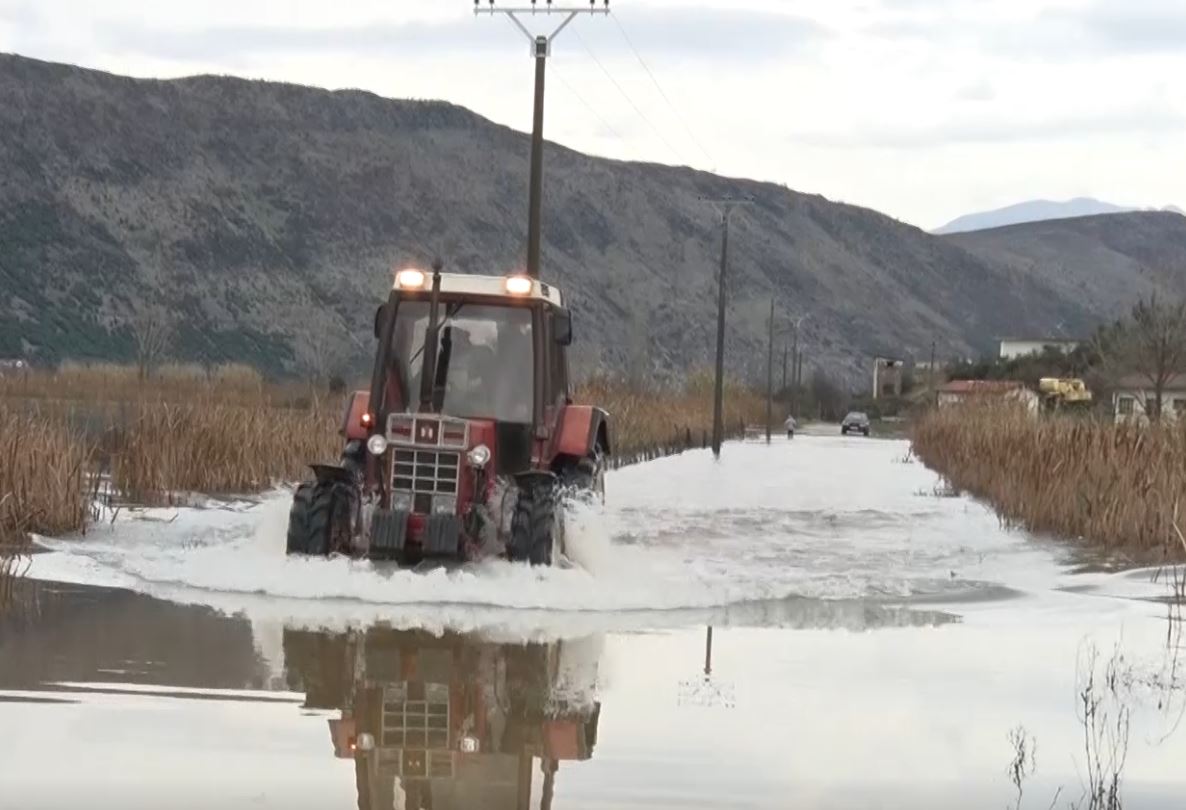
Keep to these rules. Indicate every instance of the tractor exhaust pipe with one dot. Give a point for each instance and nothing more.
(431, 339)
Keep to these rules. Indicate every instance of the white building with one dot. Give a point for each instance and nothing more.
(959, 392)
(1133, 399)
(1021, 347)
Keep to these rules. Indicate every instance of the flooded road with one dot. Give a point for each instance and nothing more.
(873, 643)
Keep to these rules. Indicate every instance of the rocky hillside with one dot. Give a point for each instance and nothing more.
(264, 219)
(1105, 263)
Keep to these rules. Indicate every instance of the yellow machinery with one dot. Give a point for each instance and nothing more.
(1062, 392)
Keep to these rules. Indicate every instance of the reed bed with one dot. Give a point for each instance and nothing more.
(211, 447)
(1121, 488)
(649, 424)
(42, 487)
(109, 382)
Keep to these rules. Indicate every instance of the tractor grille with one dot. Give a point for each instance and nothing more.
(425, 472)
(416, 720)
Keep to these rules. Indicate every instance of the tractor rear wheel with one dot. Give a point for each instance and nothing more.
(586, 478)
(319, 521)
(535, 525)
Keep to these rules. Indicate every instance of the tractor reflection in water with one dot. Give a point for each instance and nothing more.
(452, 722)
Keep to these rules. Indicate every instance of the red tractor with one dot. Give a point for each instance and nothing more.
(468, 441)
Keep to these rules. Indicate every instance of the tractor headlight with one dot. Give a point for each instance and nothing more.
(469, 744)
(365, 742)
(377, 444)
(401, 502)
(410, 279)
(479, 456)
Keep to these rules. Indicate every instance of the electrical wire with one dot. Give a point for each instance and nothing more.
(659, 87)
(568, 86)
(629, 100)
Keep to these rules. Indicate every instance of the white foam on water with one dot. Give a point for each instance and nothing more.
(818, 517)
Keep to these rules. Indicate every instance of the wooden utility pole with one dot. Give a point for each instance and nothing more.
(770, 373)
(541, 49)
(724, 206)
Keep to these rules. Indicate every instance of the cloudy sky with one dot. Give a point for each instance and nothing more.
(923, 109)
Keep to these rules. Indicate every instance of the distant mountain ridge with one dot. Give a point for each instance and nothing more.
(1039, 211)
(265, 218)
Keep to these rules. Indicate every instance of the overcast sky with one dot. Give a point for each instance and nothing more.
(923, 109)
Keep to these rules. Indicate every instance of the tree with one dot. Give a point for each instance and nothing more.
(1150, 344)
(152, 333)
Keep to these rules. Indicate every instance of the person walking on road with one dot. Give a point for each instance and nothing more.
(790, 425)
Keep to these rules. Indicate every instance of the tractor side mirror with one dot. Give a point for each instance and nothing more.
(562, 326)
(379, 319)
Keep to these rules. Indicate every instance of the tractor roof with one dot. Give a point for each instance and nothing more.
(466, 284)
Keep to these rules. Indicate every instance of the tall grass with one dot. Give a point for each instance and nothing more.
(644, 424)
(216, 448)
(1118, 487)
(42, 484)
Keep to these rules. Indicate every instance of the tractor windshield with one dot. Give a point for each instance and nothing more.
(490, 368)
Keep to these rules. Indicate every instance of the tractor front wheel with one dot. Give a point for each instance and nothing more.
(535, 524)
(320, 519)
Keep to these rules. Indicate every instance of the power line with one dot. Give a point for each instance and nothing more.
(630, 101)
(568, 86)
(659, 87)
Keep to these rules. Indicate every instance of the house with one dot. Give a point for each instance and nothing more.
(959, 392)
(1021, 347)
(1134, 398)
(887, 377)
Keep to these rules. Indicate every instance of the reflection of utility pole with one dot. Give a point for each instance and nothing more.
(708, 652)
(724, 206)
(541, 48)
(703, 691)
(770, 374)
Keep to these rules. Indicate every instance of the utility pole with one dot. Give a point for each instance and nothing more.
(784, 367)
(724, 206)
(931, 375)
(541, 48)
(797, 369)
(770, 373)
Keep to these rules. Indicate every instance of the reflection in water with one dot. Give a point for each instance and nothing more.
(450, 722)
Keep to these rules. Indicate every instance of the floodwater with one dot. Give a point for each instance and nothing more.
(813, 623)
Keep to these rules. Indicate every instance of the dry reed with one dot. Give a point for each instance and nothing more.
(648, 423)
(1118, 487)
(42, 487)
(216, 448)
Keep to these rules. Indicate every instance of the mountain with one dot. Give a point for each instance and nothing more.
(1037, 211)
(264, 220)
(1105, 262)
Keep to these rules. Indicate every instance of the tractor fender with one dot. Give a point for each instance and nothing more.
(330, 473)
(530, 477)
(583, 429)
(356, 406)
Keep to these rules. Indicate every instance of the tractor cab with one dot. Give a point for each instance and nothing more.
(452, 721)
(467, 438)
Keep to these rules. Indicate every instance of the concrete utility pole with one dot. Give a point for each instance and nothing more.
(931, 375)
(724, 206)
(541, 48)
(797, 368)
(770, 373)
(784, 367)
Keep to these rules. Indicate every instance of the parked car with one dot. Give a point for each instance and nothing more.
(855, 422)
